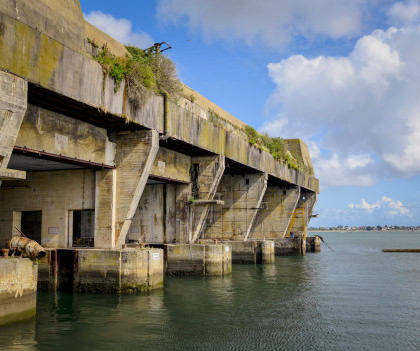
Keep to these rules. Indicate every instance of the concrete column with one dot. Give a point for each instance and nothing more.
(13, 104)
(182, 214)
(272, 221)
(241, 195)
(118, 191)
(210, 172)
(105, 206)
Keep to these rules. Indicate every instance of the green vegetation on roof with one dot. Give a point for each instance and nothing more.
(276, 147)
(144, 71)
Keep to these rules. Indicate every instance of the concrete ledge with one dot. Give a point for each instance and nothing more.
(18, 284)
(289, 247)
(254, 251)
(313, 244)
(11, 174)
(197, 259)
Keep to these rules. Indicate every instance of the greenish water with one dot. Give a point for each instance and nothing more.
(355, 298)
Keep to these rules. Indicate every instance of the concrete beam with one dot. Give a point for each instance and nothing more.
(136, 153)
(53, 133)
(10, 174)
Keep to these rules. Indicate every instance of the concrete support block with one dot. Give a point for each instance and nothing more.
(218, 259)
(313, 244)
(118, 270)
(289, 247)
(253, 251)
(197, 259)
(18, 285)
(94, 270)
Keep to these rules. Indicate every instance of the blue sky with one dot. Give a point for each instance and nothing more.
(342, 75)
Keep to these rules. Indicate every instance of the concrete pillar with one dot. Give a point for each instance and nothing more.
(13, 104)
(105, 206)
(183, 232)
(118, 191)
(242, 196)
(273, 219)
(209, 173)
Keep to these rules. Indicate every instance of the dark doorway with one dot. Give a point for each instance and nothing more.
(30, 225)
(83, 228)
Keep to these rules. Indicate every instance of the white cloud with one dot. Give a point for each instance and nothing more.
(272, 22)
(389, 206)
(407, 12)
(364, 205)
(119, 29)
(363, 109)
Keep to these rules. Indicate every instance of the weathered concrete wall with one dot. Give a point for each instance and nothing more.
(300, 149)
(273, 219)
(198, 259)
(44, 130)
(53, 193)
(18, 285)
(240, 196)
(13, 104)
(155, 218)
(61, 20)
(171, 165)
(198, 131)
(253, 251)
(119, 270)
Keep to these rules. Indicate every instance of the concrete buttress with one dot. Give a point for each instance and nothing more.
(13, 104)
(209, 173)
(272, 221)
(241, 194)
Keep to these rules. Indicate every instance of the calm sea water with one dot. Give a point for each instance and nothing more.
(355, 298)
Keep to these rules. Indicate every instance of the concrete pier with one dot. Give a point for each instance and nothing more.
(289, 247)
(198, 259)
(254, 251)
(313, 244)
(18, 286)
(94, 270)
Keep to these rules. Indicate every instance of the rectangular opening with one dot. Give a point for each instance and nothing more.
(30, 224)
(83, 228)
(195, 186)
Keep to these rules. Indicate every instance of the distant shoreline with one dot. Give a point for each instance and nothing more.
(364, 231)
